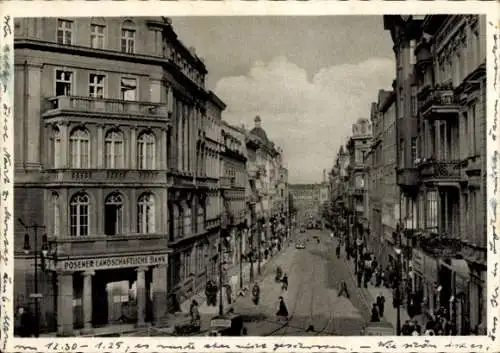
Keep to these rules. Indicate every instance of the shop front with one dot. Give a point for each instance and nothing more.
(99, 291)
(425, 280)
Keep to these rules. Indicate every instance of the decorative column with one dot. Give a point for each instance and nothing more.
(163, 149)
(87, 301)
(64, 150)
(33, 74)
(100, 146)
(141, 295)
(179, 135)
(65, 304)
(160, 290)
(133, 147)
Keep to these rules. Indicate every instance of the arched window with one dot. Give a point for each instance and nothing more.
(146, 148)
(113, 214)
(56, 148)
(79, 215)
(201, 215)
(114, 147)
(56, 214)
(146, 214)
(80, 148)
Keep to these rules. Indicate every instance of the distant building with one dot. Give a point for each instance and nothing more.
(309, 198)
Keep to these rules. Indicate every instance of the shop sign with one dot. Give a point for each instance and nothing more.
(418, 261)
(103, 263)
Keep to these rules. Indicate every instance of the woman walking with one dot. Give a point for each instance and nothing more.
(282, 309)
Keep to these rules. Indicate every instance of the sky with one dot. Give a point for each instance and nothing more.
(308, 78)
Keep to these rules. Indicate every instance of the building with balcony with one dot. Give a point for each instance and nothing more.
(358, 147)
(233, 182)
(383, 191)
(449, 207)
(263, 172)
(108, 112)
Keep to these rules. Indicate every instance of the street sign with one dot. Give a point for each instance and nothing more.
(36, 295)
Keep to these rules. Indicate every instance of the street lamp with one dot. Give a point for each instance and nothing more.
(44, 251)
(398, 294)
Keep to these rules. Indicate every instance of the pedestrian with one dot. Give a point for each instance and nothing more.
(343, 290)
(337, 251)
(256, 293)
(375, 314)
(228, 293)
(194, 312)
(25, 322)
(381, 304)
(282, 309)
(284, 282)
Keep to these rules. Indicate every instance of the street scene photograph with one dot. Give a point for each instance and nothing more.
(250, 176)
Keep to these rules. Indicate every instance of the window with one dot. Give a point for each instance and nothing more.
(113, 214)
(96, 86)
(128, 41)
(401, 153)
(97, 36)
(432, 210)
(80, 148)
(128, 89)
(146, 214)
(79, 215)
(186, 264)
(56, 148)
(187, 220)
(64, 32)
(64, 80)
(114, 150)
(56, 214)
(414, 154)
(201, 216)
(412, 52)
(146, 146)
(472, 130)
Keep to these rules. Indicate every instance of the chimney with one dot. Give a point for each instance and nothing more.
(257, 121)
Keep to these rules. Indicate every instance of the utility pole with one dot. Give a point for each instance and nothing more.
(35, 227)
(241, 257)
(221, 305)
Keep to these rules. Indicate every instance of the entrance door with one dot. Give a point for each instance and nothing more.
(99, 301)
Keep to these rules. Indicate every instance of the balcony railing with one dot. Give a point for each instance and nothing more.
(105, 175)
(438, 102)
(226, 182)
(440, 170)
(105, 106)
(112, 244)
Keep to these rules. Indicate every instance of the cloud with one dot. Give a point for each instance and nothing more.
(309, 117)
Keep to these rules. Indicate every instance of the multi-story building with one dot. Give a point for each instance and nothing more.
(358, 147)
(109, 111)
(309, 199)
(233, 187)
(338, 190)
(448, 55)
(383, 191)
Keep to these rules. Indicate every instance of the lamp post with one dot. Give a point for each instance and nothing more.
(221, 305)
(44, 251)
(259, 239)
(398, 294)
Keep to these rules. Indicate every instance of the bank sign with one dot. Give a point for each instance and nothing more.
(104, 263)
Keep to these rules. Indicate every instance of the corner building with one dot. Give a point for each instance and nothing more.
(107, 115)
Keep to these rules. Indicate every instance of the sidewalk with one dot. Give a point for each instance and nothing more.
(372, 292)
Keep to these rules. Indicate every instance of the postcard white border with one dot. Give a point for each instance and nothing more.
(13, 9)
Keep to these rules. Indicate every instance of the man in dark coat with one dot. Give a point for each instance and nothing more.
(282, 310)
(375, 315)
(26, 321)
(381, 304)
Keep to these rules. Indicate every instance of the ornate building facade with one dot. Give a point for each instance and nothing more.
(117, 164)
(444, 165)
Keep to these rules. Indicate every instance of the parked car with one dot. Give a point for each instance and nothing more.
(300, 245)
